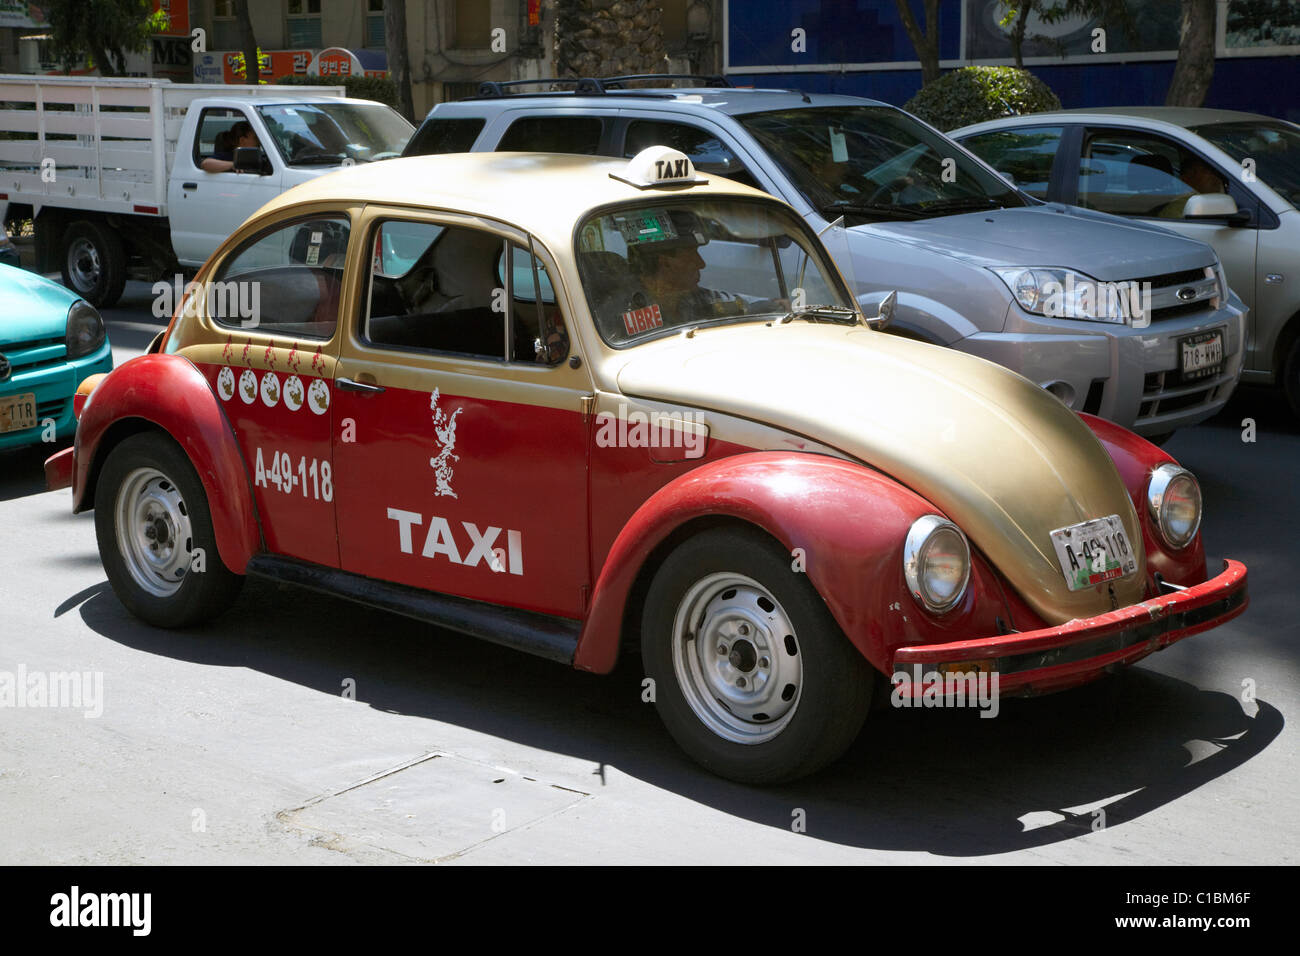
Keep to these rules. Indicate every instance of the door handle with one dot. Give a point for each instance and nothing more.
(349, 385)
(189, 185)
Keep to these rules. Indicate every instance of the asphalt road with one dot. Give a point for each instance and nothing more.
(237, 743)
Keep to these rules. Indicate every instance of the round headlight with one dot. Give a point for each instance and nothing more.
(85, 333)
(936, 563)
(1174, 501)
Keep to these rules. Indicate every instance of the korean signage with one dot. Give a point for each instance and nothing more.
(21, 14)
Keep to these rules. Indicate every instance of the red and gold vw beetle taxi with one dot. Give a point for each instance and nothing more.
(579, 405)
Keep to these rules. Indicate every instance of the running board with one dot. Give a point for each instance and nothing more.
(554, 638)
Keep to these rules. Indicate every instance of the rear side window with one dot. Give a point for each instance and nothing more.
(444, 136)
(1025, 155)
(553, 134)
(286, 280)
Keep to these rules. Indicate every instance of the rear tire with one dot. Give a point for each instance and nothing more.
(151, 520)
(753, 678)
(1291, 377)
(94, 262)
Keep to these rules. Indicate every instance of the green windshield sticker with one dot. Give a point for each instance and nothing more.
(653, 225)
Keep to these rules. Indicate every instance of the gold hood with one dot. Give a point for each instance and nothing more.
(1000, 456)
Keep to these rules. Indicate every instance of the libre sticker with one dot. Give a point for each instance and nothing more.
(270, 389)
(318, 396)
(637, 321)
(313, 253)
(294, 393)
(248, 386)
(226, 384)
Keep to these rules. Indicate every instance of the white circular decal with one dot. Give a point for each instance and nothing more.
(248, 386)
(318, 396)
(226, 384)
(294, 393)
(270, 389)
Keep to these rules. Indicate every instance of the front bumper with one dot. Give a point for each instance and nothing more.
(1053, 658)
(1127, 375)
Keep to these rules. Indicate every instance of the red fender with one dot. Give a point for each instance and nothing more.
(850, 522)
(168, 391)
(1135, 458)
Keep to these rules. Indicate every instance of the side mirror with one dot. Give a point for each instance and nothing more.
(884, 313)
(1212, 206)
(252, 159)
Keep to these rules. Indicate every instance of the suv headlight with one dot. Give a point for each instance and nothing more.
(1174, 501)
(85, 330)
(936, 563)
(1066, 294)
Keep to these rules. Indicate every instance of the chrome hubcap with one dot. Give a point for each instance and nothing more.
(736, 658)
(153, 531)
(83, 264)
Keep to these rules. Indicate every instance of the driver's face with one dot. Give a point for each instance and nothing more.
(679, 270)
(248, 140)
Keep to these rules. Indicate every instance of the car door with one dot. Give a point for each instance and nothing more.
(204, 208)
(460, 461)
(273, 305)
(1140, 175)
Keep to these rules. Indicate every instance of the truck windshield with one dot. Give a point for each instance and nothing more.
(315, 134)
(873, 162)
(1274, 149)
(658, 267)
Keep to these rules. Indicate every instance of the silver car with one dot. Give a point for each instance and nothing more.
(1227, 178)
(978, 264)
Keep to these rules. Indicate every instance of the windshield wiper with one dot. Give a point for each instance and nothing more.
(810, 311)
(883, 210)
(965, 204)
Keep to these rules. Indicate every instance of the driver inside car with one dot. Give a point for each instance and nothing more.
(669, 273)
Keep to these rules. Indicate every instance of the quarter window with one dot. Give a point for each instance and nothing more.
(1025, 155)
(445, 136)
(284, 281)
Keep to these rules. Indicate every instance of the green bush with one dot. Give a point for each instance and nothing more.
(378, 88)
(974, 94)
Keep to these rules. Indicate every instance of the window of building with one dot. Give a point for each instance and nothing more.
(472, 25)
(225, 29)
(303, 24)
(375, 36)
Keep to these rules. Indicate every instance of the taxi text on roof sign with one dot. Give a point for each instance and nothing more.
(659, 166)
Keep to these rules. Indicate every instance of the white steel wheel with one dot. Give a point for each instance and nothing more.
(736, 658)
(155, 534)
(751, 674)
(153, 531)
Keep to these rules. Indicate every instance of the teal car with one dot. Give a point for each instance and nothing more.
(50, 341)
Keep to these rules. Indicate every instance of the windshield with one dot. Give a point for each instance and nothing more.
(310, 134)
(657, 267)
(1274, 148)
(874, 162)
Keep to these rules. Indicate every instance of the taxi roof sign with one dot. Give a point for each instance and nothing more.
(659, 166)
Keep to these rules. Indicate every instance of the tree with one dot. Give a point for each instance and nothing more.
(925, 42)
(399, 57)
(1110, 14)
(1195, 67)
(248, 43)
(104, 31)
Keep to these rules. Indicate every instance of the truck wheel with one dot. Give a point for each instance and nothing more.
(752, 676)
(94, 262)
(155, 535)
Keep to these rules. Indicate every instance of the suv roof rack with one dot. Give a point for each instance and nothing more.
(593, 86)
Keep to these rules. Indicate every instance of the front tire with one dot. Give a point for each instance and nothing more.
(155, 535)
(753, 678)
(94, 262)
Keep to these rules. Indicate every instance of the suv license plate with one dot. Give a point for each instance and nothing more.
(1094, 552)
(1201, 355)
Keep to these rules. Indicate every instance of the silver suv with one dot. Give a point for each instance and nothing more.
(1227, 178)
(1124, 320)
